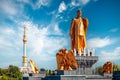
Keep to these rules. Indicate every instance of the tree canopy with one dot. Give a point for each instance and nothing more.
(12, 73)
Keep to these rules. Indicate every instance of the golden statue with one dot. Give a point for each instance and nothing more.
(66, 60)
(107, 68)
(33, 66)
(78, 33)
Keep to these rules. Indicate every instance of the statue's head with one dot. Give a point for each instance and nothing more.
(79, 13)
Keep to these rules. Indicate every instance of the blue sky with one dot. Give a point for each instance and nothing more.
(48, 24)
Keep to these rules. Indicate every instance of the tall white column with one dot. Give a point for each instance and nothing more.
(24, 48)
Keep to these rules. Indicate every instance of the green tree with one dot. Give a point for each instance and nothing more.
(47, 72)
(4, 77)
(14, 70)
(50, 72)
(42, 69)
(53, 72)
(99, 70)
(12, 73)
(116, 67)
(0, 72)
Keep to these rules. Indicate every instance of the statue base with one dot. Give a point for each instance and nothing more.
(85, 64)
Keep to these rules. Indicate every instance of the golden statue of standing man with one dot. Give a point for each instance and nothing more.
(78, 33)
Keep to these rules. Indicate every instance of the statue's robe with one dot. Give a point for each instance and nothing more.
(78, 34)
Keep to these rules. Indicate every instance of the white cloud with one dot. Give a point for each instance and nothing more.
(110, 55)
(6, 30)
(75, 3)
(56, 28)
(8, 7)
(42, 44)
(42, 3)
(62, 7)
(12, 10)
(37, 4)
(51, 13)
(84, 1)
(99, 42)
(114, 30)
(10, 47)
